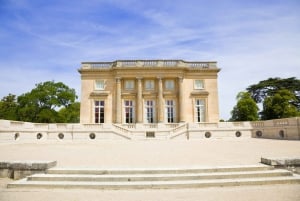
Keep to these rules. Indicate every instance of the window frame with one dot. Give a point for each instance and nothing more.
(152, 85)
(130, 111)
(99, 111)
(103, 83)
(200, 110)
(149, 111)
(196, 85)
(128, 83)
(168, 85)
(170, 110)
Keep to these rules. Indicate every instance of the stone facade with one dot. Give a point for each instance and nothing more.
(149, 91)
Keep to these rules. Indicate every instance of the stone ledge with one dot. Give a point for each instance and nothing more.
(21, 169)
(293, 161)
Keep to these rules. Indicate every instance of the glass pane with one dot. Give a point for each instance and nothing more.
(198, 84)
(100, 84)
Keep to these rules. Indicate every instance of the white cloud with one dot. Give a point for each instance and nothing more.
(250, 43)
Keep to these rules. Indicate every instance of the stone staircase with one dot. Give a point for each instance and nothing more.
(158, 178)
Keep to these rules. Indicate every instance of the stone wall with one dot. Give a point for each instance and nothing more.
(14, 131)
(286, 129)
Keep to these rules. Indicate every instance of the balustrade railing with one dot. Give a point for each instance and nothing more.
(150, 125)
(211, 125)
(171, 125)
(180, 128)
(170, 63)
(281, 122)
(93, 126)
(120, 128)
(257, 124)
(101, 65)
(148, 63)
(198, 64)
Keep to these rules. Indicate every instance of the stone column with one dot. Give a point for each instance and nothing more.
(139, 101)
(118, 101)
(160, 101)
(181, 100)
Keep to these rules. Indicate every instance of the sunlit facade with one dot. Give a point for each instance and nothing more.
(149, 91)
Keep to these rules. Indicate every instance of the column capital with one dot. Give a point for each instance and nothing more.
(118, 79)
(139, 78)
(180, 78)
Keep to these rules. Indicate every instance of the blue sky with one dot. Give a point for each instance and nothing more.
(47, 40)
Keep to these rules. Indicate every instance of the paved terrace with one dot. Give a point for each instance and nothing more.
(153, 153)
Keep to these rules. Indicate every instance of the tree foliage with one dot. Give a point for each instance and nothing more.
(70, 114)
(245, 109)
(8, 107)
(280, 98)
(269, 87)
(279, 105)
(43, 104)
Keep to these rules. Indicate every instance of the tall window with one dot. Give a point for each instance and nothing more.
(149, 111)
(149, 84)
(200, 110)
(129, 111)
(129, 84)
(170, 111)
(99, 84)
(198, 84)
(99, 111)
(169, 84)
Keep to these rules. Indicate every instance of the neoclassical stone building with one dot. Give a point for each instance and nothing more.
(149, 91)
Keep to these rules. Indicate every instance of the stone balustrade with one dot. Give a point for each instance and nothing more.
(288, 129)
(149, 63)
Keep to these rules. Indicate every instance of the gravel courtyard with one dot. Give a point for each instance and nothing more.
(153, 153)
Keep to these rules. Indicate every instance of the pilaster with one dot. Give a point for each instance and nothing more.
(160, 101)
(181, 100)
(118, 101)
(139, 100)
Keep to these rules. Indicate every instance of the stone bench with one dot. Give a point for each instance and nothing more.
(21, 169)
(290, 163)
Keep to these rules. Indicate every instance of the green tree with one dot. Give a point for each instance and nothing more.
(245, 109)
(42, 103)
(70, 114)
(8, 107)
(280, 105)
(271, 86)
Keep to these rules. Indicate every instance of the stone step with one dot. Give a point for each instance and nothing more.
(158, 177)
(24, 183)
(93, 171)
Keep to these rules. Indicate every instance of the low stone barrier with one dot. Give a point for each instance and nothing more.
(21, 169)
(281, 129)
(292, 164)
